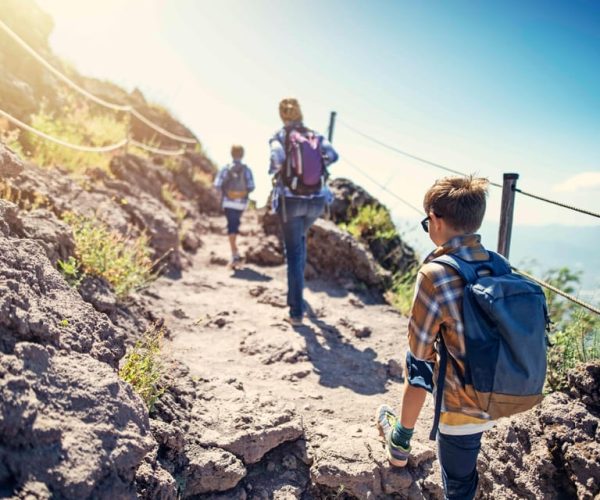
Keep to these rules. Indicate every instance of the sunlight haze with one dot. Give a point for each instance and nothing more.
(483, 88)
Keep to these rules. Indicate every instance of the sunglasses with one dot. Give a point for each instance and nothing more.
(425, 222)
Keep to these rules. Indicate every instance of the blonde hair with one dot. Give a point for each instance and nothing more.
(289, 110)
(460, 201)
(237, 152)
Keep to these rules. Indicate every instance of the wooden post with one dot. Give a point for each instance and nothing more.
(331, 126)
(506, 213)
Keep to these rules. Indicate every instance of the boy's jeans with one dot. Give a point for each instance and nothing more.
(457, 454)
(301, 214)
(458, 459)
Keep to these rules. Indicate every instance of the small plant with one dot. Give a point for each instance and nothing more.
(70, 270)
(64, 323)
(143, 368)
(124, 262)
(575, 336)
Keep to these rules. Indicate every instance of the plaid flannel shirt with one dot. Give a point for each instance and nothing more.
(437, 310)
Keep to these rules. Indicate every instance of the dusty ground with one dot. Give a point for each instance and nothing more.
(228, 326)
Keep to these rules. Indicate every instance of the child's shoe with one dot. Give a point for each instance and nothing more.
(235, 261)
(386, 420)
(294, 321)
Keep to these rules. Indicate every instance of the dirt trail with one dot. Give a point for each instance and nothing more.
(227, 327)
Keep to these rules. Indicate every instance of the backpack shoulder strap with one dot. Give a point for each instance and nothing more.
(465, 269)
(497, 265)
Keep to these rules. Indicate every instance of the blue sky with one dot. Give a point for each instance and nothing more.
(486, 87)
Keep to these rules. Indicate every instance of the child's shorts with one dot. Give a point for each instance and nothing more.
(419, 373)
(233, 220)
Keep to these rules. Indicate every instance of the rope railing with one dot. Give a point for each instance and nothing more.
(558, 291)
(110, 105)
(91, 149)
(158, 151)
(558, 203)
(383, 187)
(77, 147)
(458, 172)
(161, 130)
(409, 155)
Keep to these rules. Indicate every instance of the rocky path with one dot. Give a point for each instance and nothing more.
(328, 376)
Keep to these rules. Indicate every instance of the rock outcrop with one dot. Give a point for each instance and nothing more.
(67, 421)
(129, 206)
(552, 451)
(336, 253)
(393, 254)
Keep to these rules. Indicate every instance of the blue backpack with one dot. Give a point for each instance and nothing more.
(505, 320)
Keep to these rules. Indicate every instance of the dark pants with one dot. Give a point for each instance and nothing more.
(457, 454)
(458, 459)
(300, 215)
(233, 217)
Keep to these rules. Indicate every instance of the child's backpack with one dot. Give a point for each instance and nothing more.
(303, 171)
(235, 184)
(505, 321)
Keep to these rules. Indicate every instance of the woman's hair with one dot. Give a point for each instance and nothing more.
(289, 110)
(460, 201)
(237, 152)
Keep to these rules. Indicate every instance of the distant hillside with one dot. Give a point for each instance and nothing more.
(539, 248)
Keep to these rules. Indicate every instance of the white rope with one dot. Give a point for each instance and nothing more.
(92, 97)
(158, 151)
(86, 149)
(161, 130)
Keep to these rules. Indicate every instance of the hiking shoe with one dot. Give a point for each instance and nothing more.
(293, 321)
(235, 261)
(386, 420)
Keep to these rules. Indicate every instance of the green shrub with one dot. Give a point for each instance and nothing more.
(143, 368)
(172, 199)
(372, 222)
(575, 335)
(77, 123)
(403, 289)
(124, 262)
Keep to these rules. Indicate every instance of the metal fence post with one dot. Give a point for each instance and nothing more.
(331, 126)
(506, 213)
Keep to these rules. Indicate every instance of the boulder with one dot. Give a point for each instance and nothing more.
(254, 429)
(266, 251)
(52, 234)
(335, 253)
(141, 173)
(97, 291)
(37, 305)
(348, 199)
(211, 470)
(10, 221)
(10, 164)
(70, 423)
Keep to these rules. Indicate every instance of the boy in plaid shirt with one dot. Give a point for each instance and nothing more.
(455, 207)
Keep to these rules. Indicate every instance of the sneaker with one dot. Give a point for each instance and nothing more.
(235, 261)
(386, 420)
